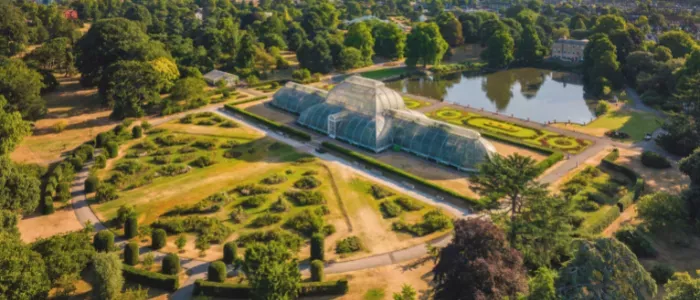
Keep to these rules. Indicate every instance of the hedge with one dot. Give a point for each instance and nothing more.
(230, 253)
(91, 184)
(158, 237)
(549, 161)
(48, 205)
(552, 158)
(242, 291)
(103, 241)
(216, 271)
(317, 247)
(249, 100)
(131, 227)
(655, 160)
(170, 264)
(317, 271)
(401, 173)
(151, 279)
(272, 124)
(603, 222)
(131, 254)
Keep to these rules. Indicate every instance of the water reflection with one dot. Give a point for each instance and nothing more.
(528, 93)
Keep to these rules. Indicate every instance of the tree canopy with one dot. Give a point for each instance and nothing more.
(21, 87)
(19, 190)
(12, 128)
(425, 45)
(22, 271)
(272, 272)
(127, 86)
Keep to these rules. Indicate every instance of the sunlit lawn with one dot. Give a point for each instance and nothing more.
(636, 124)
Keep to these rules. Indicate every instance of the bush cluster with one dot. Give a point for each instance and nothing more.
(348, 245)
(662, 273)
(205, 144)
(173, 170)
(635, 240)
(303, 198)
(105, 192)
(214, 229)
(390, 209)
(274, 179)
(202, 161)
(379, 192)
(308, 222)
(252, 189)
(289, 240)
(254, 201)
(173, 140)
(307, 183)
(432, 221)
(279, 206)
(151, 279)
(655, 160)
(265, 220)
(408, 204)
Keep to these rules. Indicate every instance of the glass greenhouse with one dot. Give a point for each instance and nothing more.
(367, 114)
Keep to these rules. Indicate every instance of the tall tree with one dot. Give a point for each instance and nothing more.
(128, 86)
(682, 287)
(425, 45)
(108, 276)
(544, 231)
(478, 264)
(530, 49)
(608, 24)
(602, 68)
(21, 87)
(360, 37)
(19, 190)
(272, 272)
(604, 268)
(22, 271)
(511, 177)
(66, 254)
(12, 128)
(54, 55)
(663, 213)
(500, 49)
(246, 55)
(389, 40)
(680, 42)
(450, 28)
(14, 32)
(315, 56)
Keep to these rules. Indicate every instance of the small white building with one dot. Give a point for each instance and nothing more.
(215, 76)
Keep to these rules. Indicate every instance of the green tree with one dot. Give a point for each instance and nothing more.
(425, 45)
(530, 49)
(680, 42)
(662, 54)
(360, 37)
(140, 14)
(19, 190)
(187, 88)
(500, 49)
(109, 41)
(22, 271)
(663, 212)
(602, 68)
(315, 56)
(246, 54)
(604, 269)
(682, 287)
(450, 28)
(54, 55)
(108, 276)
(350, 58)
(407, 293)
(541, 285)
(66, 254)
(691, 166)
(12, 129)
(21, 87)
(389, 40)
(167, 72)
(8, 222)
(544, 230)
(608, 24)
(128, 86)
(511, 177)
(14, 32)
(271, 271)
(181, 242)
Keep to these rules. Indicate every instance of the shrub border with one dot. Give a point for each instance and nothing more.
(242, 291)
(401, 173)
(152, 279)
(281, 127)
(249, 100)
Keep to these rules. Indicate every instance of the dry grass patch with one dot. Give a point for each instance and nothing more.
(35, 227)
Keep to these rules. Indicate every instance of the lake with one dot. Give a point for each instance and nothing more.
(535, 94)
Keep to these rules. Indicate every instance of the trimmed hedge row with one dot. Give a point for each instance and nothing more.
(151, 279)
(249, 100)
(549, 161)
(608, 217)
(399, 172)
(281, 127)
(242, 291)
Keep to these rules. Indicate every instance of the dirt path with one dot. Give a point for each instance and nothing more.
(626, 217)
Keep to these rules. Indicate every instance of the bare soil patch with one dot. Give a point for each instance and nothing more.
(36, 227)
(508, 149)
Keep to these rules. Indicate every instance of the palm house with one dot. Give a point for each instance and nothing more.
(365, 113)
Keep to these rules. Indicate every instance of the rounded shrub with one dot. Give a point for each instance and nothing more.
(216, 271)
(230, 252)
(158, 237)
(317, 270)
(100, 161)
(91, 184)
(76, 162)
(131, 254)
(317, 247)
(48, 205)
(136, 132)
(63, 192)
(103, 241)
(101, 139)
(131, 227)
(655, 160)
(112, 149)
(662, 273)
(171, 264)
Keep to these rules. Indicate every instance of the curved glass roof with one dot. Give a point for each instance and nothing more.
(366, 96)
(316, 116)
(365, 131)
(294, 97)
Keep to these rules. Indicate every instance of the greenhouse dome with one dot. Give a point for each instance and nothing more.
(365, 113)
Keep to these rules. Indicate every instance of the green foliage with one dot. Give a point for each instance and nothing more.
(151, 279)
(274, 179)
(91, 184)
(112, 149)
(105, 192)
(679, 42)
(541, 285)
(307, 183)
(359, 36)
(202, 162)
(379, 192)
(306, 222)
(254, 201)
(655, 160)
(131, 227)
(663, 212)
(432, 221)
(265, 220)
(128, 86)
(24, 273)
(12, 128)
(242, 291)
(348, 245)
(137, 132)
(317, 271)
(602, 108)
(318, 250)
(389, 40)
(662, 273)
(682, 286)
(108, 280)
(289, 240)
(634, 238)
(103, 241)
(611, 259)
(63, 192)
(171, 264)
(19, 190)
(271, 271)
(213, 229)
(272, 124)
(216, 271)
(501, 47)
(48, 206)
(131, 253)
(390, 209)
(303, 198)
(66, 254)
(21, 87)
(158, 238)
(230, 253)
(425, 45)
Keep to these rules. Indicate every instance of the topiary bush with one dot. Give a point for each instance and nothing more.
(131, 254)
(158, 237)
(48, 205)
(171, 264)
(317, 271)
(63, 192)
(100, 161)
(112, 149)
(103, 241)
(662, 273)
(654, 160)
(390, 209)
(216, 271)
(379, 192)
(307, 183)
(230, 253)
(408, 204)
(317, 247)
(91, 184)
(348, 245)
(131, 227)
(136, 132)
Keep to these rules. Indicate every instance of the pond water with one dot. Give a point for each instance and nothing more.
(528, 93)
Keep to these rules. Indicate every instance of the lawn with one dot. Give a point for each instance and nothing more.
(532, 136)
(232, 183)
(636, 124)
(384, 73)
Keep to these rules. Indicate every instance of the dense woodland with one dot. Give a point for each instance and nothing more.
(136, 51)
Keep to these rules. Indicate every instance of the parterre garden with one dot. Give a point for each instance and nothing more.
(412, 103)
(229, 184)
(527, 135)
